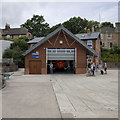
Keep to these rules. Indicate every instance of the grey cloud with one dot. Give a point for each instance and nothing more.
(16, 13)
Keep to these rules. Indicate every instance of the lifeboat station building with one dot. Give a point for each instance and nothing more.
(62, 52)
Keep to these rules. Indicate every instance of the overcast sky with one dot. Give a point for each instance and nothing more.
(16, 13)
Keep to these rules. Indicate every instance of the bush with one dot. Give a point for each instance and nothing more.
(111, 55)
(16, 50)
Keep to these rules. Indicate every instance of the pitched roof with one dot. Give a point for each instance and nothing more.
(88, 36)
(14, 31)
(35, 40)
(107, 30)
(89, 50)
(83, 36)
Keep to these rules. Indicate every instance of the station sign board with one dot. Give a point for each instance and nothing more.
(35, 54)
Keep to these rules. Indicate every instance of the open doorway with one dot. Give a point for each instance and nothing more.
(61, 67)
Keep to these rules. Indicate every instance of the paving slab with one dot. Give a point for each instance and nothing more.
(29, 99)
(90, 97)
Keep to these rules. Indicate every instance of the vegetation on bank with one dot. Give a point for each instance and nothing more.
(110, 55)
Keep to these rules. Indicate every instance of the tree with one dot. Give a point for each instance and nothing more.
(77, 25)
(54, 28)
(37, 26)
(107, 24)
(16, 50)
(21, 43)
(94, 24)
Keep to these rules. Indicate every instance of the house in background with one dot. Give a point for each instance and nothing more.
(93, 40)
(15, 33)
(110, 36)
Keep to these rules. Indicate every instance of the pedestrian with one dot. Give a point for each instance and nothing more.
(97, 68)
(51, 68)
(93, 69)
(105, 68)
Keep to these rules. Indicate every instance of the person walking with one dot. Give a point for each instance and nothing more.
(89, 68)
(97, 68)
(105, 68)
(93, 69)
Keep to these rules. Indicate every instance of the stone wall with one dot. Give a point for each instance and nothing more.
(9, 68)
(113, 65)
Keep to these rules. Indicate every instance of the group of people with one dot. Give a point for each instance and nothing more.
(92, 68)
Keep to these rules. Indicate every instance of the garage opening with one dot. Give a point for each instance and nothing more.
(60, 61)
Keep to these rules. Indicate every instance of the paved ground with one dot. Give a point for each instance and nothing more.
(74, 95)
(88, 97)
(29, 97)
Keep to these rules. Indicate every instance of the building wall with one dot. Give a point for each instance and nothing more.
(98, 50)
(106, 41)
(52, 43)
(115, 36)
(28, 35)
(96, 46)
(4, 44)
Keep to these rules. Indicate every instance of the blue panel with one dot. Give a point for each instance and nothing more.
(35, 53)
(35, 56)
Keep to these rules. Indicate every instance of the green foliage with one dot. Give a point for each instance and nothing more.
(37, 26)
(92, 23)
(111, 55)
(107, 24)
(54, 28)
(77, 25)
(16, 50)
(21, 43)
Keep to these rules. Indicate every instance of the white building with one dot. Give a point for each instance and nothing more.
(4, 44)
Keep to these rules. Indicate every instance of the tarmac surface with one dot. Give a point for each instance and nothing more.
(61, 95)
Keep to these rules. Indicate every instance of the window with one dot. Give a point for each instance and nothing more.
(109, 36)
(110, 44)
(101, 36)
(89, 43)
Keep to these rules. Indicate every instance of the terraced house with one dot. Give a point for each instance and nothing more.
(14, 33)
(62, 51)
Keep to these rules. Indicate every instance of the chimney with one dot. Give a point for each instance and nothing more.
(117, 26)
(7, 26)
(93, 29)
(88, 30)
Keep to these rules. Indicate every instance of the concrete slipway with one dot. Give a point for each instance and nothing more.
(56, 96)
